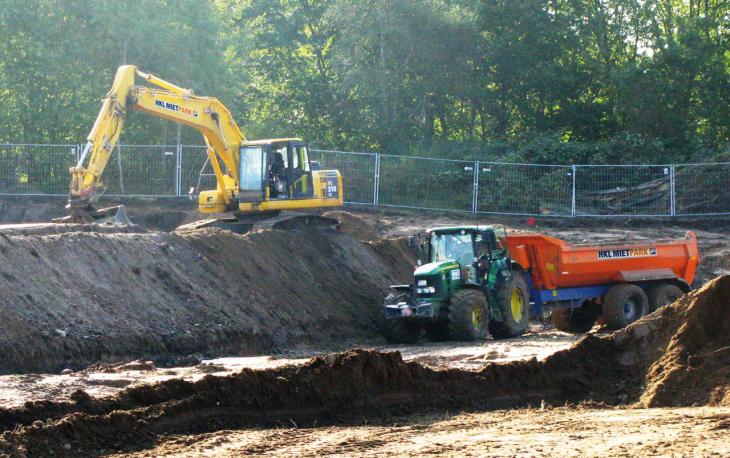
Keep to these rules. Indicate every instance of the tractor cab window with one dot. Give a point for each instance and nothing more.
(452, 247)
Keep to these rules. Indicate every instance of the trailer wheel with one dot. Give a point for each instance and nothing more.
(513, 301)
(577, 320)
(663, 294)
(623, 304)
(468, 315)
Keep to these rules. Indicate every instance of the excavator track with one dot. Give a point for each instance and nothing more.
(286, 220)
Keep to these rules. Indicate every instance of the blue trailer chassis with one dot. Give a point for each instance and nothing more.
(562, 298)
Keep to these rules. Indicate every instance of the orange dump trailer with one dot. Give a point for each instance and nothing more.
(619, 282)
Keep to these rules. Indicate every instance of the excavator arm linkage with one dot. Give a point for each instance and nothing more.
(206, 114)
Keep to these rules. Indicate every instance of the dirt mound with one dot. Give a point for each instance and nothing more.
(335, 388)
(76, 298)
(675, 356)
(353, 225)
(694, 367)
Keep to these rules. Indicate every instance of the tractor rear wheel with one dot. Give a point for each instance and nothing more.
(468, 315)
(663, 294)
(623, 304)
(513, 301)
(577, 321)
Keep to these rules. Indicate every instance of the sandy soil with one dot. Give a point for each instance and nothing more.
(565, 432)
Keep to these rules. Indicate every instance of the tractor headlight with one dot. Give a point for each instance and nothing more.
(422, 283)
(430, 290)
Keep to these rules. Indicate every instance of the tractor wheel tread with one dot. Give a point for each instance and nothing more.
(509, 326)
(460, 323)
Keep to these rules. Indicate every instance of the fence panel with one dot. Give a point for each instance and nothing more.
(402, 181)
(623, 190)
(357, 169)
(435, 184)
(196, 172)
(36, 169)
(525, 189)
(702, 189)
(141, 170)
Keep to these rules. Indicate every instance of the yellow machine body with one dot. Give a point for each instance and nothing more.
(277, 173)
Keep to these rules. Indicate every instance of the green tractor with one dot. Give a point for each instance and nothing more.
(466, 288)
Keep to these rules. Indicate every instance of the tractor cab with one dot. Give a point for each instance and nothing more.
(275, 170)
(472, 247)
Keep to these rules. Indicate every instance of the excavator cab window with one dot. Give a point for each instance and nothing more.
(301, 175)
(279, 172)
(252, 165)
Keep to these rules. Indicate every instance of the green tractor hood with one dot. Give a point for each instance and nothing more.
(433, 268)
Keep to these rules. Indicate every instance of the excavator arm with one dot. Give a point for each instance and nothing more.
(206, 114)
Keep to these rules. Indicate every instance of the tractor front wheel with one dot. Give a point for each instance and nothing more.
(513, 301)
(468, 315)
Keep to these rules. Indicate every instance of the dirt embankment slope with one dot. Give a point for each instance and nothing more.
(675, 356)
(76, 298)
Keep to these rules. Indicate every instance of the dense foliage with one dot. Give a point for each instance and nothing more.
(538, 80)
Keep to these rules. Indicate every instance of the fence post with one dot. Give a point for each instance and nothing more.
(672, 192)
(376, 181)
(178, 170)
(475, 191)
(572, 203)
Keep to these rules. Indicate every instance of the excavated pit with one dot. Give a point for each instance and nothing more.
(676, 356)
(75, 295)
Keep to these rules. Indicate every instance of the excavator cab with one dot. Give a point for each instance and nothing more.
(275, 170)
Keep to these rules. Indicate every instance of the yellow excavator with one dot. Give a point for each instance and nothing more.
(256, 180)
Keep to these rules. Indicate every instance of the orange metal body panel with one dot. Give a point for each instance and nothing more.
(555, 263)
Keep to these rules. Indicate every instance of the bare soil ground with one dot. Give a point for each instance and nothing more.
(549, 432)
(77, 296)
(675, 357)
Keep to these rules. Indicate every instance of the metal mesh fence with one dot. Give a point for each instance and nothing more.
(524, 189)
(359, 170)
(141, 170)
(414, 182)
(196, 174)
(702, 189)
(402, 181)
(36, 169)
(623, 190)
